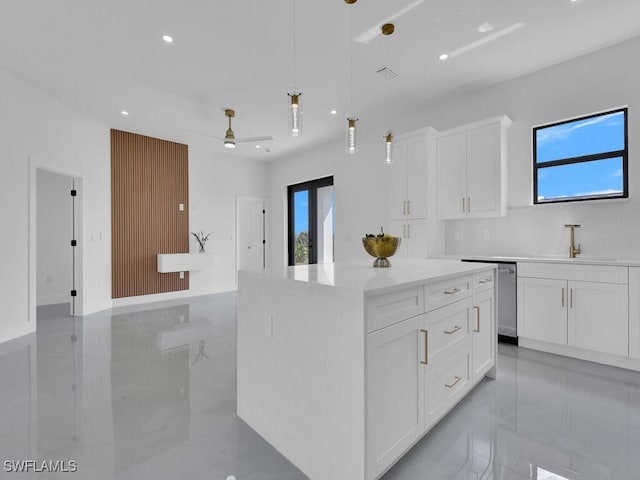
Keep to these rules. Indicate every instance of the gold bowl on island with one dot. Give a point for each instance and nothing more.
(381, 248)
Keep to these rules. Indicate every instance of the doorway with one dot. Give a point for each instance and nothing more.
(54, 244)
(311, 224)
(251, 244)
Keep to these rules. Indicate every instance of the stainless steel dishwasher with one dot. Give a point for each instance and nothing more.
(506, 301)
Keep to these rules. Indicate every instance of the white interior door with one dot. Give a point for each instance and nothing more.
(251, 233)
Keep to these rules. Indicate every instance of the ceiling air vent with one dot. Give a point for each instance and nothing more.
(387, 73)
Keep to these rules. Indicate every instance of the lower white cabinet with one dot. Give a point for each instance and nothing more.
(634, 313)
(566, 310)
(483, 334)
(395, 413)
(542, 309)
(420, 367)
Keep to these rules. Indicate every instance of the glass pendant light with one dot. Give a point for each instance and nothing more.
(295, 112)
(388, 145)
(352, 145)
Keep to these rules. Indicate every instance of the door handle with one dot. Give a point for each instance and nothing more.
(456, 379)
(453, 330)
(463, 207)
(563, 297)
(451, 292)
(426, 347)
(477, 309)
(408, 207)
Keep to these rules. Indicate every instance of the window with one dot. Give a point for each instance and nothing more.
(581, 159)
(310, 213)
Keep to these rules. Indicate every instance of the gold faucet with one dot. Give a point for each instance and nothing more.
(573, 251)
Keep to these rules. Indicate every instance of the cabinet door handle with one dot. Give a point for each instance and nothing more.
(404, 207)
(453, 330)
(426, 347)
(404, 231)
(451, 292)
(468, 204)
(477, 309)
(408, 207)
(571, 297)
(409, 231)
(456, 379)
(563, 297)
(486, 280)
(463, 207)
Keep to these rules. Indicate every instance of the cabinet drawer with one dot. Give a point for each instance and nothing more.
(581, 272)
(483, 281)
(446, 383)
(389, 308)
(448, 328)
(447, 291)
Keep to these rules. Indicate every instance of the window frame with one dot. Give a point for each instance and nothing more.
(624, 154)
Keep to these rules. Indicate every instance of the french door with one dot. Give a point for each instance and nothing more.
(310, 213)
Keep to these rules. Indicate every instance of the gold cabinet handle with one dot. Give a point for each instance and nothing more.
(563, 297)
(426, 347)
(571, 297)
(409, 231)
(404, 231)
(477, 309)
(463, 208)
(404, 207)
(453, 330)
(451, 292)
(408, 207)
(468, 204)
(486, 280)
(456, 379)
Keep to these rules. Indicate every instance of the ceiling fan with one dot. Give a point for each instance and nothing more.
(230, 139)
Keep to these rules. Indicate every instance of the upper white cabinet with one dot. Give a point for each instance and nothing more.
(408, 173)
(472, 170)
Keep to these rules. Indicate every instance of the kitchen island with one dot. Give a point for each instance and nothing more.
(344, 367)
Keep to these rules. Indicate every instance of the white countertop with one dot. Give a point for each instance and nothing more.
(364, 277)
(584, 260)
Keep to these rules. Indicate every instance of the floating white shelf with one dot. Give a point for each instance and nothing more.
(184, 262)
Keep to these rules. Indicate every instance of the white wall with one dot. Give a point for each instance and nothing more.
(34, 126)
(360, 194)
(54, 231)
(214, 183)
(598, 81)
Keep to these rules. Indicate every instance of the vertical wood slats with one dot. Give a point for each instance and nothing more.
(149, 179)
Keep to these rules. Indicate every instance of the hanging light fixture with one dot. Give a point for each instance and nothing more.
(295, 112)
(352, 146)
(387, 29)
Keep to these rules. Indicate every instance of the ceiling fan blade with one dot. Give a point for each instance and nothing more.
(204, 134)
(253, 139)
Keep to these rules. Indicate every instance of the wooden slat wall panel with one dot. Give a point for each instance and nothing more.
(149, 179)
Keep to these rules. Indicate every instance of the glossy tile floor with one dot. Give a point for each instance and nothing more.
(149, 393)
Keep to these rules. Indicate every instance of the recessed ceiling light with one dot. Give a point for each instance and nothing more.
(257, 146)
(167, 38)
(333, 112)
(124, 113)
(444, 56)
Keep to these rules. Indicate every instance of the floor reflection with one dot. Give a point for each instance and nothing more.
(149, 392)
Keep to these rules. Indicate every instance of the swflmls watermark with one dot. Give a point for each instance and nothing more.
(39, 466)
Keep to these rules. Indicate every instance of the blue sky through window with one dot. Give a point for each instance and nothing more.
(595, 135)
(301, 211)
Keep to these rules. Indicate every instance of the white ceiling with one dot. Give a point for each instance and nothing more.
(104, 56)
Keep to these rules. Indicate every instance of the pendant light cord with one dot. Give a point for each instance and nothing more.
(351, 113)
(294, 47)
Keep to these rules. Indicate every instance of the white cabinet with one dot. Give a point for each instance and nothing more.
(414, 235)
(395, 414)
(634, 312)
(483, 334)
(542, 310)
(583, 306)
(426, 347)
(408, 173)
(471, 170)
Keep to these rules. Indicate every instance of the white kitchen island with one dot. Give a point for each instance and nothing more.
(344, 367)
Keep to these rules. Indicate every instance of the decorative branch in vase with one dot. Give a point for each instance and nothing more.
(201, 238)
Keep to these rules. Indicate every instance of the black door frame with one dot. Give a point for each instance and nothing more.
(312, 186)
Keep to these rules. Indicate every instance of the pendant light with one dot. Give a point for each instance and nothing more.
(387, 29)
(295, 112)
(352, 146)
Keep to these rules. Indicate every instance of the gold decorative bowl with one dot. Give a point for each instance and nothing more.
(381, 248)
